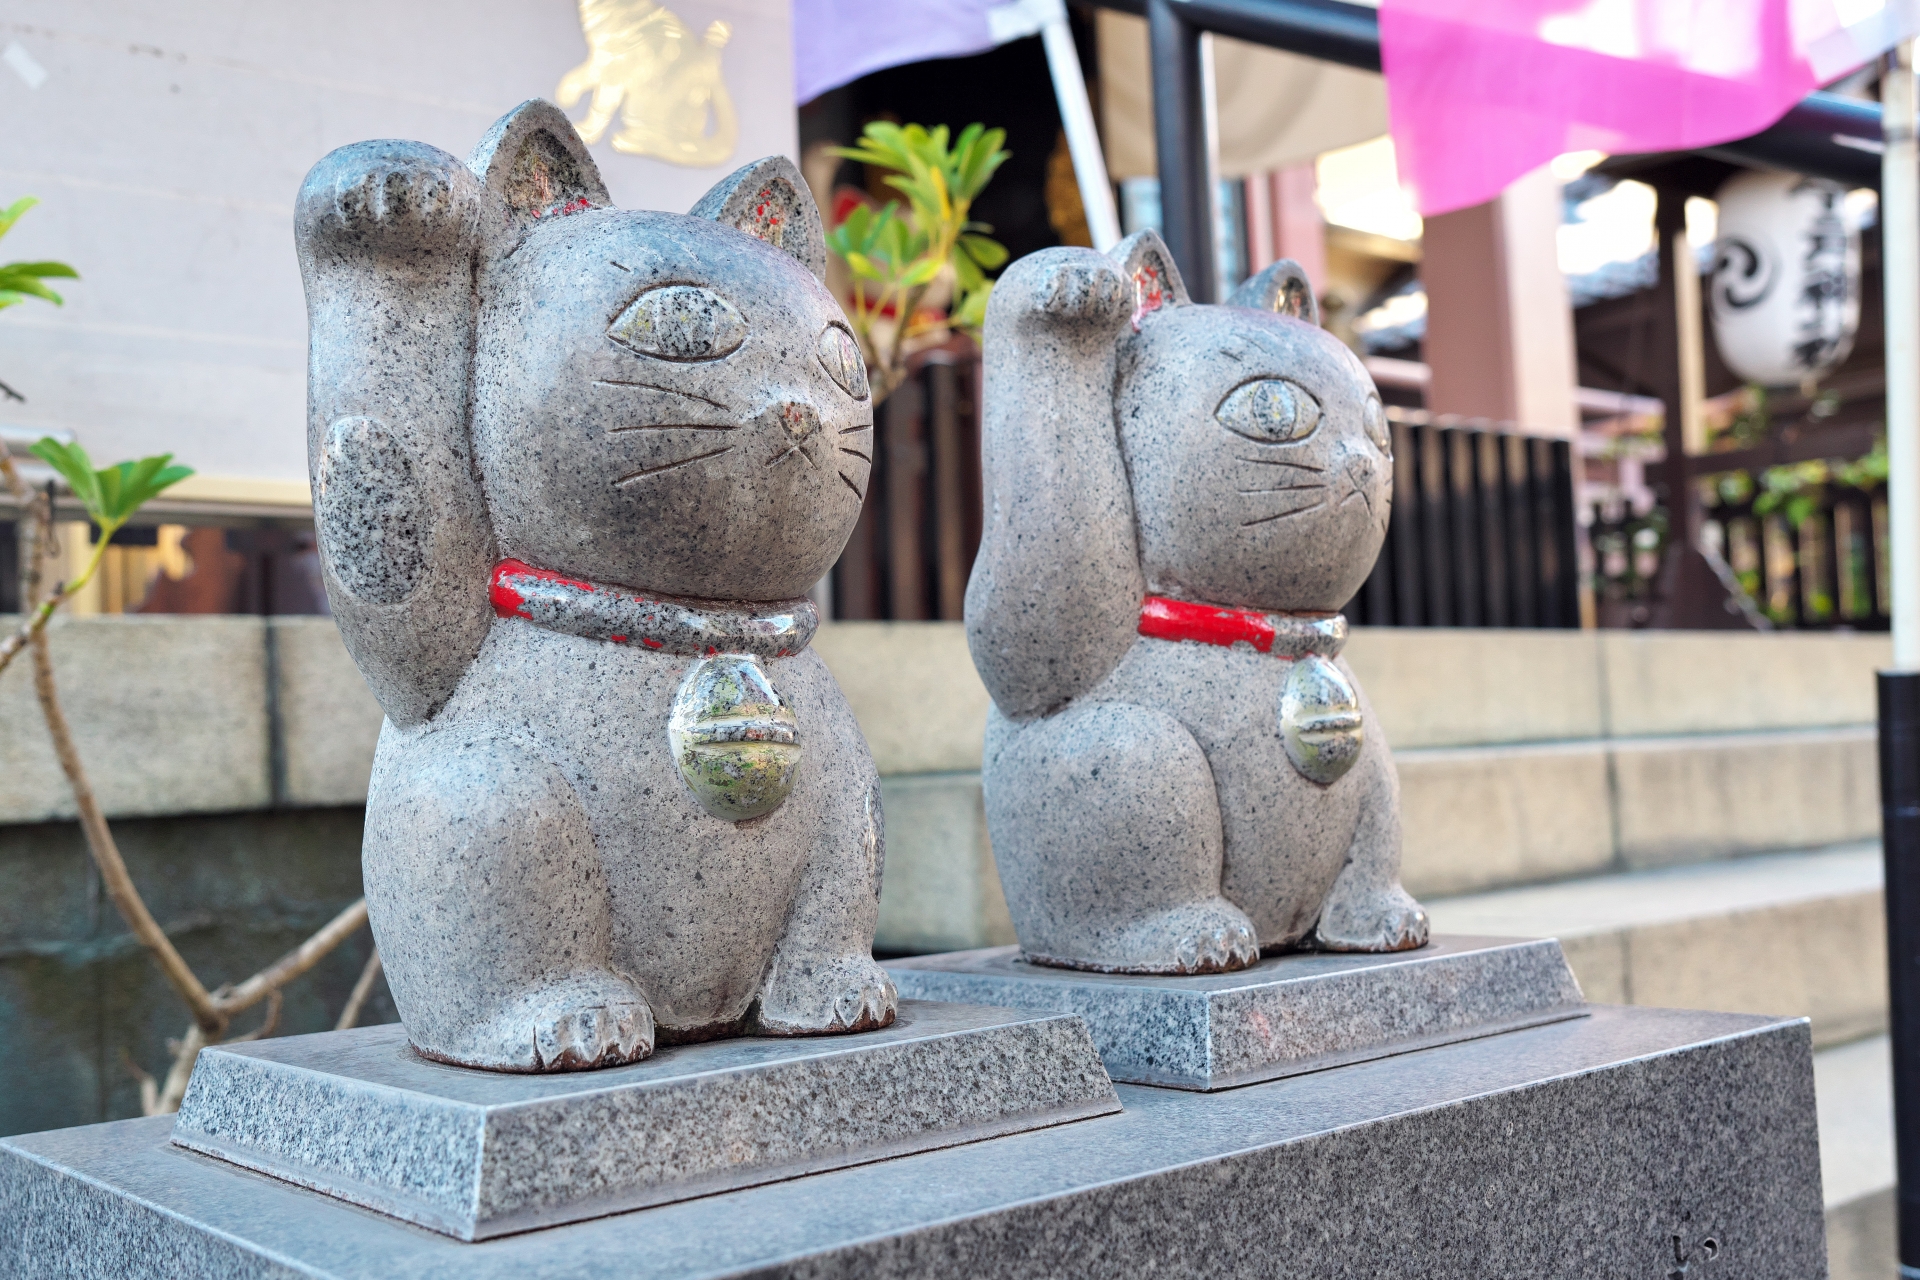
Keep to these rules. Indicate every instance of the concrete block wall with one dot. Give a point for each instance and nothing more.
(182, 715)
(1524, 756)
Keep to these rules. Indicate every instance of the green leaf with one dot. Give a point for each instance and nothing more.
(988, 253)
(972, 311)
(41, 269)
(73, 466)
(966, 273)
(921, 272)
(26, 286)
(11, 214)
(112, 495)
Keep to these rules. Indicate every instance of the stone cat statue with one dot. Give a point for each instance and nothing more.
(574, 468)
(1180, 769)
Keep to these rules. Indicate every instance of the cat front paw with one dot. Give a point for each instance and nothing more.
(390, 196)
(825, 997)
(1386, 921)
(1211, 936)
(1087, 288)
(604, 1035)
(1222, 949)
(575, 1023)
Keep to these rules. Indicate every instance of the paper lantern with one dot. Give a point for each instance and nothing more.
(1785, 295)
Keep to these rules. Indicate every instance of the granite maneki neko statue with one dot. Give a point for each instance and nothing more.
(1180, 770)
(574, 469)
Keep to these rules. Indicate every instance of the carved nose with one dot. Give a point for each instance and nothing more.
(800, 420)
(1363, 470)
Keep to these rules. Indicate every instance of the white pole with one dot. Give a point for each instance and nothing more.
(1900, 252)
(1049, 18)
(1083, 140)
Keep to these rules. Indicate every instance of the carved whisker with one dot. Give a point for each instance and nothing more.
(676, 426)
(648, 386)
(1283, 462)
(623, 266)
(1287, 488)
(1297, 511)
(848, 481)
(853, 431)
(856, 453)
(644, 472)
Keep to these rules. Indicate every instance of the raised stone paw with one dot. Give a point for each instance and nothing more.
(819, 997)
(605, 1035)
(1085, 287)
(394, 194)
(1389, 920)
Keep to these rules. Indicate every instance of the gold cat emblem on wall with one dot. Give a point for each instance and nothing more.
(644, 62)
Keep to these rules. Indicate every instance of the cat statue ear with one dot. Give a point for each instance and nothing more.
(532, 165)
(769, 200)
(1282, 287)
(1146, 261)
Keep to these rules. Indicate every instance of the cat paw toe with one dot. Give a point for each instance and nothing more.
(1219, 950)
(820, 998)
(1085, 288)
(1395, 923)
(607, 1035)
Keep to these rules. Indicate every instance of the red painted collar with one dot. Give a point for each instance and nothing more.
(672, 625)
(1284, 635)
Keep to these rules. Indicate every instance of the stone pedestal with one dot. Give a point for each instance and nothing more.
(1281, 1017)
(1632, 1142)
(361, 1116)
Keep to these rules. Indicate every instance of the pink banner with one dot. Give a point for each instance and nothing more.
(1483, 91)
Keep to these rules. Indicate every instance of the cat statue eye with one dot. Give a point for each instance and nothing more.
(1272, 410)
(840, 356)
(1373, 420)
(680, 322)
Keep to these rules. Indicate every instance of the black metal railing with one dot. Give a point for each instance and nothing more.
(1482, 533)
(911, 552)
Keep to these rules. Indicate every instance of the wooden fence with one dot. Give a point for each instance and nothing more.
(1817, 565)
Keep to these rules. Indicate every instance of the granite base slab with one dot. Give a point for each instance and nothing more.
(475, 1154)
(1281, 1017)
(1634, 1142)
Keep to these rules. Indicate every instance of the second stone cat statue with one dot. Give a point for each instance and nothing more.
(574, 468)
(1180, 770)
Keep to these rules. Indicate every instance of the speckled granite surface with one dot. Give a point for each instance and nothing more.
(1600, 1146)
(1284, 1016)
(476, 1154)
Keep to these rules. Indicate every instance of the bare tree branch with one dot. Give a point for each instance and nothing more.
(100, 842)
(186, 1051)
(34, 618)
(267, 1024)
(361, 990)
(296, 961)
(212, 1011)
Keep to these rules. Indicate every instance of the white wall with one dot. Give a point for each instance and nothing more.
(167, 141)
